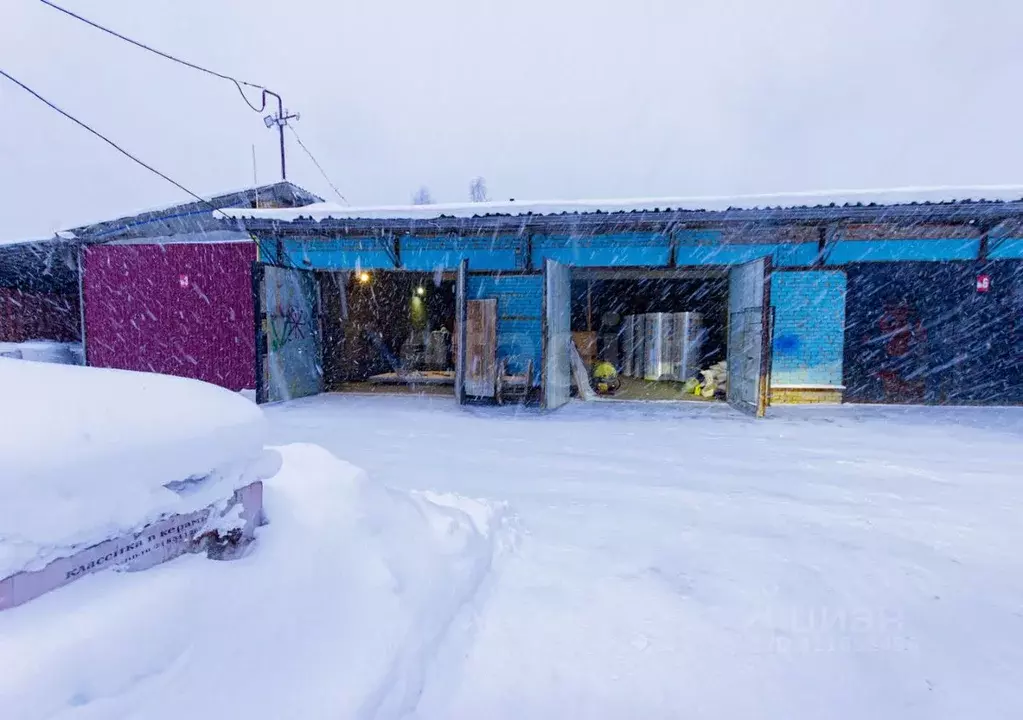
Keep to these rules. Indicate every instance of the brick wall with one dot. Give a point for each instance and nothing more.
(336, 253)
(788, 246)
(484, 252)
(519, 306)
(27, 315)
(809, 327)
(619, 249)
(958, 346)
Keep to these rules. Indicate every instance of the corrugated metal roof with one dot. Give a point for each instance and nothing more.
(791, 202)
(193, 216)
(52, 263)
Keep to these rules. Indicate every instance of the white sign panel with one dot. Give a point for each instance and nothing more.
(154, 544)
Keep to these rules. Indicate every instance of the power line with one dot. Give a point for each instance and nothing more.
(381, 241)
(237, 83)
(131, 157)
(279, 121)
(109, 142)
(318, 166)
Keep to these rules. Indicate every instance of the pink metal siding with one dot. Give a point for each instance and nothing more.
(179, 309)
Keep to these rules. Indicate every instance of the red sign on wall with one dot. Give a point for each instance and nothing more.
(183, 280)
(983, 283)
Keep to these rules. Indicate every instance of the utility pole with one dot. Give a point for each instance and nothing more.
(280, 120)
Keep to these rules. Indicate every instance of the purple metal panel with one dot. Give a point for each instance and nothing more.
(179, 309)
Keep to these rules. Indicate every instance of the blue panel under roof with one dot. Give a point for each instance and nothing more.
(1006, 249)
(484, 252)
(635, 249)
(848, 251)
(338, 254)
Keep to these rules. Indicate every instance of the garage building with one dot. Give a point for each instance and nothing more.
(807, 298)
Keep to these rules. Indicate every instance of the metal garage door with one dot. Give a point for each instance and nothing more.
(288, 339)
(749, 336)
(557, 318)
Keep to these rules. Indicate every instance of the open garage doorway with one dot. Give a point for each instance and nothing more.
(700, 334)
(388, 332)
(658, 328)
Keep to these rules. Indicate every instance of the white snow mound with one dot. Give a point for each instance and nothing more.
(85, 453)
(344, 599)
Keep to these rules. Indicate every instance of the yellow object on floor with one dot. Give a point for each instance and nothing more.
(605, 378)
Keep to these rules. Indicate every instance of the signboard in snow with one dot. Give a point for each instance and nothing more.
(983, 283)
(183, 280)
(152, 545)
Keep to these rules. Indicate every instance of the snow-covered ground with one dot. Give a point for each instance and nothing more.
(334, 614)
(335, 611)
(847, 562)
(52, 351)
(614, 561)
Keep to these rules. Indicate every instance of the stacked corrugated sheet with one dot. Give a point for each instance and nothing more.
(662, 346)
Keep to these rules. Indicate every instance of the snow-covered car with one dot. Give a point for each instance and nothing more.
(334, 611)
(105, 469)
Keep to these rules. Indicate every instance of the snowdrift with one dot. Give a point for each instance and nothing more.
(87, 454)
(344, 598)
(50, 351)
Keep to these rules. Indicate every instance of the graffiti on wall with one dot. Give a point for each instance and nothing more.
(922, 333)
(902, 357)
(293, 365)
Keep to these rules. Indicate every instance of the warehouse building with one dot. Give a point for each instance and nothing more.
(892, 297)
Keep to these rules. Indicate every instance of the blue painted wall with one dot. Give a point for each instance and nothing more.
(519, 309)
(338, 254)
(809, 327)
(622, 249)
(783, 255)
(637, 249)
(848, 251)
(483, 253)
(1005, 249)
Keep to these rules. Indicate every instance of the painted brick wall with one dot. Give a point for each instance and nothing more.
(337, 254)
(621, 249)
(786, 255)
(960, 347)
(519, 307)
(445, 252)
(809, 327)
(1006, 249)
(787, 247)
(178, 309)
(847, 251)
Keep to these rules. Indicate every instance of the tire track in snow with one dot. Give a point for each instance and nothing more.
(402, 687)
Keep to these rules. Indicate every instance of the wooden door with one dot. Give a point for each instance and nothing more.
(481, 348)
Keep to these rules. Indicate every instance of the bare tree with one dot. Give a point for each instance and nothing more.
(422, 196)
(478, 190)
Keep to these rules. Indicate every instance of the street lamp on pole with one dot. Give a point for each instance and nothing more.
(280, 120)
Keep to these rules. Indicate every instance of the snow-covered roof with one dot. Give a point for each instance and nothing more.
(890, 197)
(192, 216)
(24, 241)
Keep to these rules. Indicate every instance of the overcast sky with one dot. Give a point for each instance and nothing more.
(545, 98)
